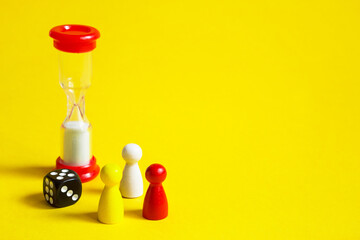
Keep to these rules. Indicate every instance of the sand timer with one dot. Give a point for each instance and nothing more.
(75, 43)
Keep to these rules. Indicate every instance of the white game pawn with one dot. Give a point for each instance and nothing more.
(131, 185)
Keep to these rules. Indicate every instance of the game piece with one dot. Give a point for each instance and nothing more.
(131, 185)
(155, 202)
(62, 188)
(111, 206)
(75, 43)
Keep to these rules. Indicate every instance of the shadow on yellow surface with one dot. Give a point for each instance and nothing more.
(92, 190)
(35, 200)
(133, 213)
(37, 172)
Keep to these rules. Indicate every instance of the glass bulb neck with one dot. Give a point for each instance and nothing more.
(76, 105)
(75, 78)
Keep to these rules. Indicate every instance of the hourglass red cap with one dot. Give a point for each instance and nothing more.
(74, 38)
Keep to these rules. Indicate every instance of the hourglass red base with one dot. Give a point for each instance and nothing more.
(86, 173)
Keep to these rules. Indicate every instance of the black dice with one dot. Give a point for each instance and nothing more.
(62, 187)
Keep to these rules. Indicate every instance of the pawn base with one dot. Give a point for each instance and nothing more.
(86, 172)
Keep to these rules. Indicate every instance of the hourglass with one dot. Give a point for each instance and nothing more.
(75, 43)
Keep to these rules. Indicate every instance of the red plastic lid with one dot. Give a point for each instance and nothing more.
(74, 38)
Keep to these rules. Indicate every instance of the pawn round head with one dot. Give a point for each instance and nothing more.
(132, 153)
(155, 173)
(111, 174)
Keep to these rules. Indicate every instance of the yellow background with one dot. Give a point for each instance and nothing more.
(252, 106)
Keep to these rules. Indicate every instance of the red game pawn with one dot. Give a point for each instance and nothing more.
(155, 202)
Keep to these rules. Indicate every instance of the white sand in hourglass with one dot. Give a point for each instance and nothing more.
(76, 143)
